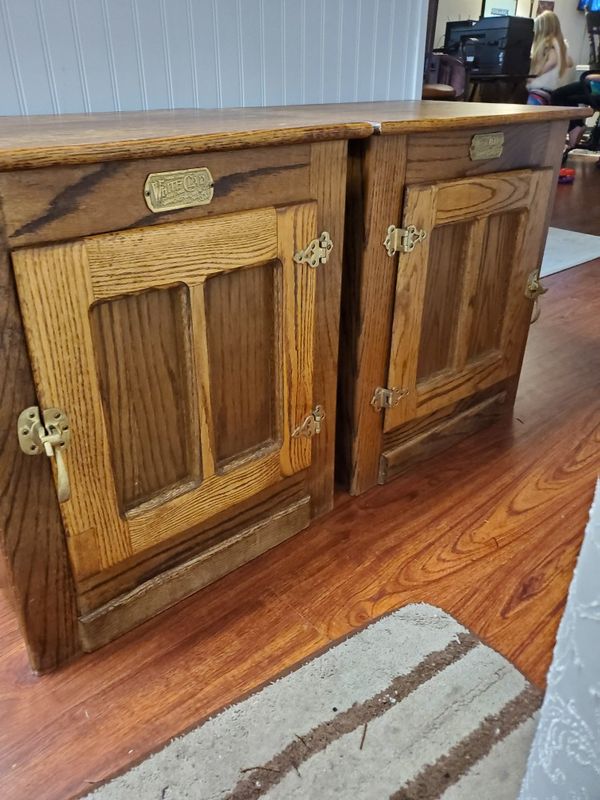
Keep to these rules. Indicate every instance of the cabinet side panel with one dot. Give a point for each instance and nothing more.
(377, 180)
(32, 542)
(142, 348)
(328, 188)
(240, 319)
(551, 157)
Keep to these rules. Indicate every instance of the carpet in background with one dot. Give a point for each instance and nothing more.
(566, 249)
(411, 706)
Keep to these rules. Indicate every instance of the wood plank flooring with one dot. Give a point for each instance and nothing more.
(489, 531)
(577, 205)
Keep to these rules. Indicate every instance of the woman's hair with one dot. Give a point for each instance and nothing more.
(546, 30)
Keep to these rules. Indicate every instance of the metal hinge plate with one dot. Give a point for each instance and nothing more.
(534, 290)
(387, 398)
(316, 252)
(311, 425)
(47, 432)
(403, 240)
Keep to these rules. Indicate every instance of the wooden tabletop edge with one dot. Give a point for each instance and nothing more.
(77, 139)
(547, 114)
(41, 155)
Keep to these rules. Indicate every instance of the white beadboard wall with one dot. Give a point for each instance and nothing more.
(64, 56)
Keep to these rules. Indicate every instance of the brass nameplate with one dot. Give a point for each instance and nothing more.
(167, 191)
(486, 145)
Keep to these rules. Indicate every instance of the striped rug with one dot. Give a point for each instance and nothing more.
(411, 706)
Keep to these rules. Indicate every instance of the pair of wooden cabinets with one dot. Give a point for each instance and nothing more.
(172, 324)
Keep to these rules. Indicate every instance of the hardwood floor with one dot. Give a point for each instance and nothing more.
(577, 205)
(489, 531)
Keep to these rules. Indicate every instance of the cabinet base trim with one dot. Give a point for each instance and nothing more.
(150, 598)
(440, 436)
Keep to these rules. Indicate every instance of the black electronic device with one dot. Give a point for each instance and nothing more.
(492, 45)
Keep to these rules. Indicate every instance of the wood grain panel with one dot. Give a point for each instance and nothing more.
(490, 296)
(201, 370)
(488, 531)
(328, 163)
(443, 389)
(122, 578)
(529, 244)
(63, 202)
(443, 290)
(55, 314)
(86, 138)
(154, 523)
(143, 354)
(417, 427)
(440, 436)
(240, 322)
(432, 157)
(165, 256)
(488, 194)
(475, 254)
(375, 180)
(296, 227)
(33, 551)
(180, 252)
(405, 331)
(470, 199)
(552, 160)
(172, 585)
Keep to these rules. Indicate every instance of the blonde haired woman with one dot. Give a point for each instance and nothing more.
(550, 64)
(550, 60)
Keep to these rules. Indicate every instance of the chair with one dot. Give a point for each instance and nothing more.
(445, 78)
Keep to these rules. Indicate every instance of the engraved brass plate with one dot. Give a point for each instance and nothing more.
(167, 191)
(486, 145)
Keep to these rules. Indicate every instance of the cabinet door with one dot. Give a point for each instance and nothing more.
(460, 314)
(183, 356)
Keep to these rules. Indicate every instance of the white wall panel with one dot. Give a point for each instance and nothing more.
(61, 56)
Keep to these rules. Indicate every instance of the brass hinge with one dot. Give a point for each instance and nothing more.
(47, 432)
(316, 252)
(311, 425)
(387, 398)
(402, 240)
(534, 290)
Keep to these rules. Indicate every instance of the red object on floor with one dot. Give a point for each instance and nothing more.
(566, 175)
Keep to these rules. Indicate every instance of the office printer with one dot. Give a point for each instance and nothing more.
(492, 45)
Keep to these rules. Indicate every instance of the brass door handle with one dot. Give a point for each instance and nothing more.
(50, 436)
(54, 445)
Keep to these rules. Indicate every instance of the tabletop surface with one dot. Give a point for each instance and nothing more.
(36, 141)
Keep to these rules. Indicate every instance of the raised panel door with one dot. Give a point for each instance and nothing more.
(183, 355)
(460, 294)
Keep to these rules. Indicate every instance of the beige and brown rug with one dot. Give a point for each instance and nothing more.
(411, 706)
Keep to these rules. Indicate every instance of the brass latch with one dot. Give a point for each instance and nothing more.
(311, 425)
(316, 252)
(387, 398)
(403, 240)
(52, 436)
(534, 290)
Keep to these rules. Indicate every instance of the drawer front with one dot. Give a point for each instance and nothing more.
(435, 156)
(59, 203)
